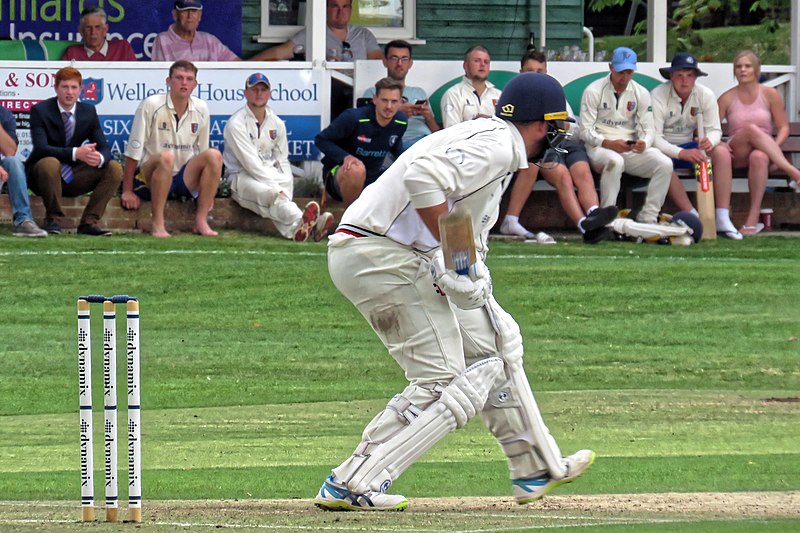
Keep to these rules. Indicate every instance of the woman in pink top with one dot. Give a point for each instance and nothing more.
(753, 111)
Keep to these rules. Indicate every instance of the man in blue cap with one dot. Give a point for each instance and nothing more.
(617, 127)
(678, 105)
(257, 166)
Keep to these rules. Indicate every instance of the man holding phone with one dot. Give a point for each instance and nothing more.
(617, 127)
(421, 122)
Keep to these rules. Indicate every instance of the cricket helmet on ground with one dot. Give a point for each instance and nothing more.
(692, 221)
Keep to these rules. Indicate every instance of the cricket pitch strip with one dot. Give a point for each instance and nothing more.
(427, 514)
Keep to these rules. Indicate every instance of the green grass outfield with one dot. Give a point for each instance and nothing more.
(679, 366)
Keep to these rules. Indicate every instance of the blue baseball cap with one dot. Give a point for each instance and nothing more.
(183, 5)
(623, 59)
(256, 78)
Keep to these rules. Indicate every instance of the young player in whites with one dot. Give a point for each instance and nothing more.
(257, 165)
(168, 152)
(676, 106)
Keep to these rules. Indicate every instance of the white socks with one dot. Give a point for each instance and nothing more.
(724, 223)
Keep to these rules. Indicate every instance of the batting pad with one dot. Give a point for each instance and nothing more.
(542, 440)
(460, 401)
(626, 226)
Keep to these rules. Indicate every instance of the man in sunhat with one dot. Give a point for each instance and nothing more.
(257, 166)
(617, 127)
(678, 105)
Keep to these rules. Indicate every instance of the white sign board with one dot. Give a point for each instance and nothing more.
(116, 91)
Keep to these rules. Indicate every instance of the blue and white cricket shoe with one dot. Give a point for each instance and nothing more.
(337, 497)
(527, 490)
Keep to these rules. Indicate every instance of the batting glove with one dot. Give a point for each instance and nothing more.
(466, 291)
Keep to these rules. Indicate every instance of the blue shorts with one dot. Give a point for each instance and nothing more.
(680, 163)
(177, 188)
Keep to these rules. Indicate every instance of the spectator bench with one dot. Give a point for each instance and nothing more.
(226, 215)
(543, 210)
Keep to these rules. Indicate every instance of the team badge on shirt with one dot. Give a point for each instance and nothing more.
(693, 111)
(273, 134)
(631, 106)
(163, 126)
(392, 140)
(195, 127)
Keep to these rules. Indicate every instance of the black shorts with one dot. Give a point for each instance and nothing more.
(576, 153)
(331, 185)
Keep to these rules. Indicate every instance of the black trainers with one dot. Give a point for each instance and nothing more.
(599, 218)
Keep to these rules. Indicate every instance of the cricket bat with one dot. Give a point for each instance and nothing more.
(458, 243)
(704, 175)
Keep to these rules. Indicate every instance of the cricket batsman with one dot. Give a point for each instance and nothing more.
(460, 351)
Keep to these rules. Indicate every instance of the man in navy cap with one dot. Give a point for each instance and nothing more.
(617, 127)
(678, 106)
(460, 351)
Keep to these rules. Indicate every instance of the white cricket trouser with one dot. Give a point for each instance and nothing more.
(264, 198)
(651, 164)
(431, 341)
(391, 286)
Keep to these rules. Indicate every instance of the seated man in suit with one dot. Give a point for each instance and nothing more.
(70, 156)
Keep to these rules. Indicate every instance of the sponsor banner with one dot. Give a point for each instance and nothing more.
(116, 94)
(437, 76)
(138, 21)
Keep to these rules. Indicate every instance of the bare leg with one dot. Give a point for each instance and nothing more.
(582, 177)
(560, 178)
(723, 172)
(751, 138)
(677, 193)
(158, 174)
(523, 185)
(202, 175)
(757, 175)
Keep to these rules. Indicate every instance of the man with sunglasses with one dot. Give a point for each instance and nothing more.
(421, 122)
(460, 351)
(617, 128)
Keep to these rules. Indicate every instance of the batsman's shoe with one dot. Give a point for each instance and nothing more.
(530, 490)
(598, 218)
(322, 227)
(337, 497)
(310, 214)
